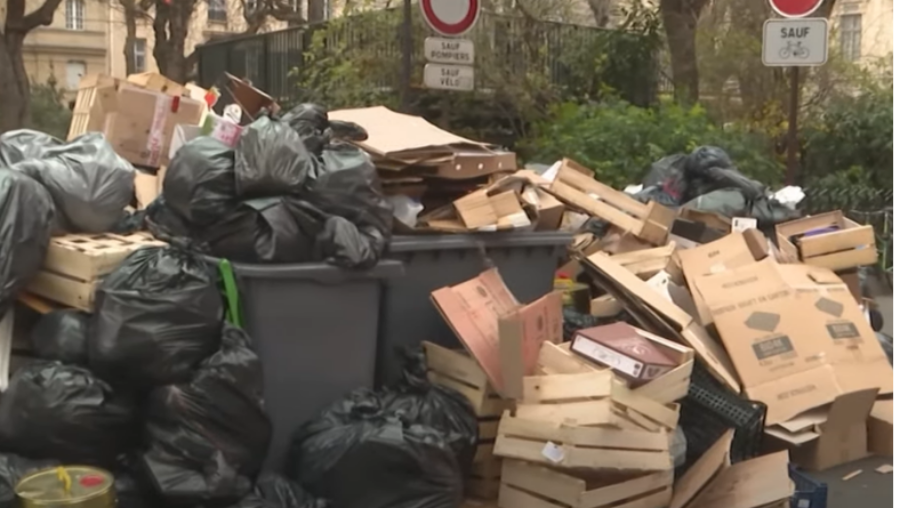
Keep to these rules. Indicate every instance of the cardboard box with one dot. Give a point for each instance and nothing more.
(493, 326)
(795, 335)
(621, 348)
(719, 256)
(712, 481)
(829, 240)
(828, 437)
(880, 427)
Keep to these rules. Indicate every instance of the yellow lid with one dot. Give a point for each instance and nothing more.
(65, 483)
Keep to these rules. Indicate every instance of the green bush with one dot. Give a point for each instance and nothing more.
(620, 141)
(49, 112)
(851, 141)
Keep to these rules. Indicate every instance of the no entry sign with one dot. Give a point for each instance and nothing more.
(795, 8)
(451, 17)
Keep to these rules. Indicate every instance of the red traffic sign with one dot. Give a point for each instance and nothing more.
(795, 8)
(450, 17)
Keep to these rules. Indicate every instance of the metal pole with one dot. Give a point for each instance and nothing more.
(406, 67)
(792, 148)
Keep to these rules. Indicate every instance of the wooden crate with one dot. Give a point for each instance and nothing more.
(852, 245)
(526, 485)
(484, 479)
(574, 447)
(648, 262)
(75, 264)
(575, 186)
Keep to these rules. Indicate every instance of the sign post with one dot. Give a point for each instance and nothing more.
(794, 41)
(450, 58)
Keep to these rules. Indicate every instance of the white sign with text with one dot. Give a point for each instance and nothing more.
(450, 77)
(799, 42)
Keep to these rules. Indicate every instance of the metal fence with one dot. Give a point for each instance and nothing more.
(271, 61)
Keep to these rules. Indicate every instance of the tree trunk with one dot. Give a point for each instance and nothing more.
(680, 19)
(170, 26)
(600, 9)
(130, 34)
(14, 89)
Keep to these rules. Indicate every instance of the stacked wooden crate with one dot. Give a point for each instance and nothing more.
(459, 371)
(580, 437)
(75, 264)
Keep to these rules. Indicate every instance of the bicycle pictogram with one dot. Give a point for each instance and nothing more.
(794, 50)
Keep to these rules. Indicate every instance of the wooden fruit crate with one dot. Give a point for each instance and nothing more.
(526, 485)
(575, 186)
(459, 371)
(568, 446)
(75, 264)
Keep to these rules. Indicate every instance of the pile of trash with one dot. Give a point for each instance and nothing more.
(291, 191)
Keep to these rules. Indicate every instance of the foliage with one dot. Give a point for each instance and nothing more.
(523, 66)
(848, 142)
(619, 141)
(49, 111)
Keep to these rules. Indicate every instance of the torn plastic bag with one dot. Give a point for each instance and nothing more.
(156, 317)
(346, 131)
(659, 194)
(267, 230)
(667, 176)
(64, 412)
(12, 469)
(348, 187)
(423, 403)
(90, 184)
(22, 144)
(199, 183)
(27, 216)
(62, 335)
(208, 437)
(275, 491)
(271, 160)
(732, 203)
(393, 464)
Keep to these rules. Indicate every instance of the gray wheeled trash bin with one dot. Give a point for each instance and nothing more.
(314, 327)
(526, 260)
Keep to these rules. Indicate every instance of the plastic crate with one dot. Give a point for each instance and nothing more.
(710, 409)
(314, 327)
(808, 492)
(526, 260)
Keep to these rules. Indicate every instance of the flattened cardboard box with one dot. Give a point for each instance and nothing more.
(881, 428)
(796, 345)
(475, 309)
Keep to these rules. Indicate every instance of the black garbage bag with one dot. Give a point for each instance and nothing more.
(347, 131)
(156, 317)
(89, 182)
(12, 469)
(667, 176)
(207, 438)
(271, 160)
(421, 402)
(26, 223)
(165, 224)
(348, 188)
(62, 335)
(659, 194)
(199, 183)
(393, 464)
(22, 144)
(275, 491)
(64, 412)
(310, 122)
(132, 493)
(732, 203)
(709, 168)
(267, 230)
(129, 222)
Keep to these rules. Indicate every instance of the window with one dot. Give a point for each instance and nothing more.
(140, 55)
(851, 36)
(75, 14)
(217, 12)
(74, 71)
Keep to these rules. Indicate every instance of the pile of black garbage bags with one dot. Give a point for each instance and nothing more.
(707, 180)
(293, 190)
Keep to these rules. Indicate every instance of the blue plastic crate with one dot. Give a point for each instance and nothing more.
(809, 493)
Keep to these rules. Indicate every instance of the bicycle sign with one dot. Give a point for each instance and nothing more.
(795, 42)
